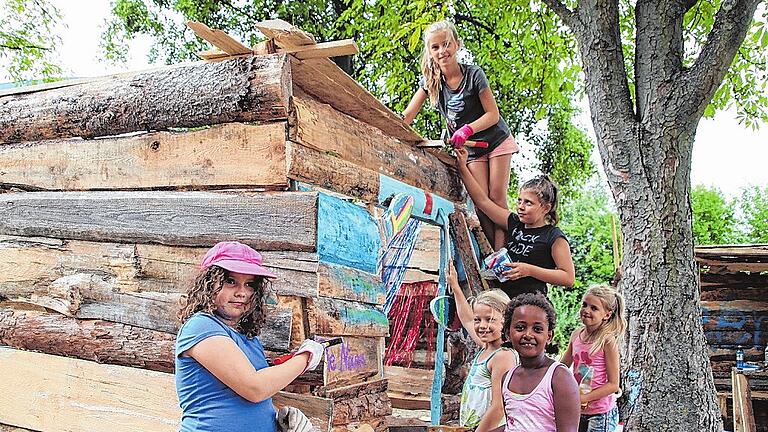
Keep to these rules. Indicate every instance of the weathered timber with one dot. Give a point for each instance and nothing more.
(284, 33)
(347, 234)
(331, 172)
(426, 252)
(219, 39)
(735, 306)
(321, 127)
(30, 264)
(711, 280)
(729, 294)
(349, 284)
(57, 394)
(274, 221)
(231, 155)
(242, 89)
(298, 321)
(325, 81)
(50, 393)
(359, 402)
(409, 381)
(460, 235)
(354, 360)
(329, 316)
(733, 253)
(743, 416)
(96, 340)
(8, 428)
(84, 296)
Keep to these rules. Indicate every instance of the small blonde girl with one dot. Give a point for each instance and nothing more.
(594, 353)
(484, 320)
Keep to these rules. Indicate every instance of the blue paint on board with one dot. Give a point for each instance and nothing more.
(425, 205)
(363, 286)
(346, 234)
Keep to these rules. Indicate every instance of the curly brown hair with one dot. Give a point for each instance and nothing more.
(200, 298)
(530, 299)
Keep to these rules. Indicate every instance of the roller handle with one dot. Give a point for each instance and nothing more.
(285, 357)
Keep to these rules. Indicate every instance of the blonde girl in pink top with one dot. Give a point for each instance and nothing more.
(539, 394)
(594, 353)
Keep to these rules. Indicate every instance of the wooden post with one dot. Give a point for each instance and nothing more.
(743, 416)
(460, 234)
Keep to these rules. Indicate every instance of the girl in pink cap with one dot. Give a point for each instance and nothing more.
(222, 378)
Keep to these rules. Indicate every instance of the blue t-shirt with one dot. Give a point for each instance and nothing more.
(207, 404)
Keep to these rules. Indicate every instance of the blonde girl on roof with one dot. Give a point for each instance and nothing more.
(594, 353)
(483, 320)
(462, 95)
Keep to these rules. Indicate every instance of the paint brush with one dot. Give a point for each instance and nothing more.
(285, 357)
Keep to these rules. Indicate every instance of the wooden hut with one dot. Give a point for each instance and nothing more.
(734, 289)
(113, 188)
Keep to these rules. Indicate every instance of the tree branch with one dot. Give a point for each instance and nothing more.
(472, 20)
(565, 14)
(23, 47)
(731, 25)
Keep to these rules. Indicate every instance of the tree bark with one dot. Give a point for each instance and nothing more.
(646, 154)
(199, 94)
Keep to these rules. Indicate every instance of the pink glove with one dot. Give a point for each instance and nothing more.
(461, 136)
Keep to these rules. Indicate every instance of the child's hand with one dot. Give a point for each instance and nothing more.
(451, 277)
(461, 156)
(461, 136)
(518, 270)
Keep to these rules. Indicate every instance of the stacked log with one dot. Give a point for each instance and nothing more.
(113, 190)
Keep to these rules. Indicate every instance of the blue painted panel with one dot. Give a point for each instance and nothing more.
(346, 234)
(352, 284)
(425, 205)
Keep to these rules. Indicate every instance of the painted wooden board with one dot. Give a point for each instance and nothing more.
(325, 81)
(426, 205)
(329, 316)
(188, 95)
(349, 284)
(271, 221)
(95, 340)
(354, 360)
(31, 263)
(319, 126)
(330, 172)
(230, 155)
(346, 234)
(57, 394)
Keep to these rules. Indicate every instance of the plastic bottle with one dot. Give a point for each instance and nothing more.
(739, 358)
(765, 360)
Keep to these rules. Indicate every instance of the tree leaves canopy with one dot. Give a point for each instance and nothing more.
(28, 39)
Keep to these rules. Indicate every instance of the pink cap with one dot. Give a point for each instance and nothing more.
(236, 257)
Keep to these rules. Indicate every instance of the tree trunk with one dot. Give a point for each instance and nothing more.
(666, 373)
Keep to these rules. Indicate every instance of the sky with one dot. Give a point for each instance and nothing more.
(726, 155)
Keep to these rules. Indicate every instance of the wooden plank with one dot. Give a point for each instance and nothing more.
(50, 393)
(329, 316)
(743, 416)
(409, 381)
(710, 280)
(325, 81)
(460, 235)
(319, 126)
(322, 50)
(318, 410)
(231, 155)
(354, 360)
(95, 340)
(58, 394)
(350, 284)
(275, 221)
(219, 39)
(728, 294)
(28, 264)
(426, 206)
(337, 241)
(361, 402)
(284, 34)
(188, 95)
(734, 306)
(329, 171)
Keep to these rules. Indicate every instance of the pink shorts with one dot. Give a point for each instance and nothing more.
(508, 146)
